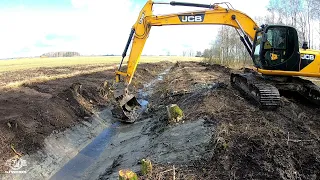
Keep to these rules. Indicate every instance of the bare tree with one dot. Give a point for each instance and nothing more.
(184, 53)
(198, 54)
(304, 15)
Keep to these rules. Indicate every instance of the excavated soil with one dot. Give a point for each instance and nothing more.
(222, 136)
(247, 143)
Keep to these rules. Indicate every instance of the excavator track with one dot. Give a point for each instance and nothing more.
(265, 91)
(310, 91)
(265, 95)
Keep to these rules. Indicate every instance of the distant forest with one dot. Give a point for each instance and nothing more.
(60, 54)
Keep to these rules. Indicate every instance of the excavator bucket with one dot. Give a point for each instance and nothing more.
(128, 109)
(129, 103)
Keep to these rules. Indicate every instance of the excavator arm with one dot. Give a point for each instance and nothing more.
(212, 14)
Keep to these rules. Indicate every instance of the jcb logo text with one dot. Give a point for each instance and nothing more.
(308, 57)
(192, 18)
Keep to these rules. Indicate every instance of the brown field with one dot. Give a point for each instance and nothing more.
(14, 73)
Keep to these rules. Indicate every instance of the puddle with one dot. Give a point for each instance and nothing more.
(159, 78)
(148, 88)
(143, 94)
(144, 103)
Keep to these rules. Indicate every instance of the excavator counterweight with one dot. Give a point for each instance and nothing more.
(273, 48)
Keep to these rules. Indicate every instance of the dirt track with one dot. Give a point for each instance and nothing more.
(244, 142)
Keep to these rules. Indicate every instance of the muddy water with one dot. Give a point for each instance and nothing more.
(74, 168)
(148, 88)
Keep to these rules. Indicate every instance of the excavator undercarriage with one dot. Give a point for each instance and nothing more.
(265, 91)
(305, 88)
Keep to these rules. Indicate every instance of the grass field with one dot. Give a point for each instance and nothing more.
(34, 63)
(14, 73)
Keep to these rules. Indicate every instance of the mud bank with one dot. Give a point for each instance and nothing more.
(60, 148)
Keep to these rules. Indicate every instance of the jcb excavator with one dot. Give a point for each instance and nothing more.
(274, 49)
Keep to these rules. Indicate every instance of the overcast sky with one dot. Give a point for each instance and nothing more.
(33, 27)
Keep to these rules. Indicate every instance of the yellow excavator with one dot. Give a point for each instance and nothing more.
(274, 49)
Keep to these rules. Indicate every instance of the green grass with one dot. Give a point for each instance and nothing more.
(34, 63)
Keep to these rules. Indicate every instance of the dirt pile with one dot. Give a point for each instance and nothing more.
(247, 142)
(38, 114)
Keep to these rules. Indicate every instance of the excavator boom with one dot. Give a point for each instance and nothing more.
(213, 14)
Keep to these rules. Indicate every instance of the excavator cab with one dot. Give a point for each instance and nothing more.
(276, 48)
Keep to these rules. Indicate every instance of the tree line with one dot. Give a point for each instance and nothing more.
(227, 48)
(60, 54)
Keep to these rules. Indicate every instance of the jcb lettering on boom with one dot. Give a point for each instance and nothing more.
(191, 18)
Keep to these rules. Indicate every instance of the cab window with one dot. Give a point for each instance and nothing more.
(276, 38)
